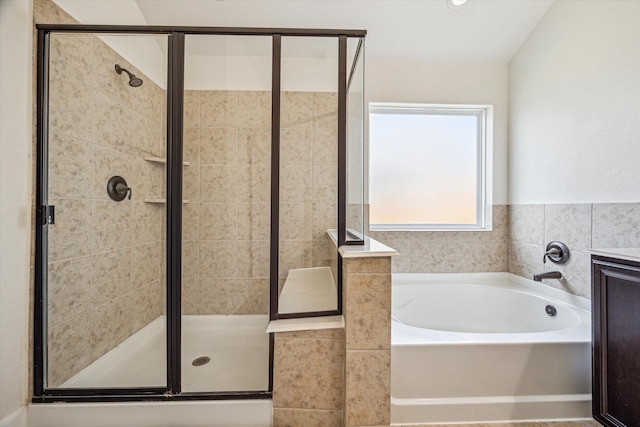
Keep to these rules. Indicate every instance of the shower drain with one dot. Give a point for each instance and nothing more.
(202, 360)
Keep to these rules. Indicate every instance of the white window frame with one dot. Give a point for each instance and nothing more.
(484, 161)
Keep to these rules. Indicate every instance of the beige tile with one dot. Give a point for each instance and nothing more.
(147, 180)
(325, 146)
(295, 221)
(191, 189)
(254, 183)
(527, 223)
(296, 109)
(308, 373)
(501, 220)
(294, 254)
(71, 57)
(323, 250)
(325, 110)
(324, 217)
(218, 146)
(147, 222)
(218, 109)
(525, 259)
(476, 252)
(111, 225)
(190, 221)
(319, 334)
(68, 289)
(367, 387)
(248, 296)
(145, 136)
(147, 305)
(368, 307)
(376, 265)
(49, 12)
(570, 224)
(144, 97)
(108, 163)
(616, 225)
(295, 184)
(401, 264)
(190, 296)
(213, 296)
(190, 259)
(108, 111)
(253, 258)
(69, 349)
(285, 417)
(254, 109)
(218, 221)
(254, 221)
(254, 146)
(145, 264)
(218, 183)
(70, 168)
(218, 258)
(428, 252)
(296, 146)
(576, 275)
(110, 325)
(191, 148)
(71, 109)
(110, 275)
(70, 236)
(325, 183)
(106, 79)
(191, 108)
(398, 240)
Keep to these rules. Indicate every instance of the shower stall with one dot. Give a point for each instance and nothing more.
(182, 175)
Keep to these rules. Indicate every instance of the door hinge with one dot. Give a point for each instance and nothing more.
(49, 215)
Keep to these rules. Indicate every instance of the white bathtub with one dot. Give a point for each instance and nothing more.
(481, 347)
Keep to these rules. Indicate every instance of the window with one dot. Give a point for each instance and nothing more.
(430, 166)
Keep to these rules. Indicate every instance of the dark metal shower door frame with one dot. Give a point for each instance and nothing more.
(175, 124)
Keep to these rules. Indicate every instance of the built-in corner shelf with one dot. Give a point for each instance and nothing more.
(307, 290)
(162, 160)
(162, 201)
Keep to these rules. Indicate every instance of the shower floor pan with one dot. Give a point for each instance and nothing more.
(237, 346)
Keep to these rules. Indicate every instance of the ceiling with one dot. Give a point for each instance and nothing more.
(411, 30)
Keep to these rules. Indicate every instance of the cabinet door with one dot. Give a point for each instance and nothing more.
(616, 343)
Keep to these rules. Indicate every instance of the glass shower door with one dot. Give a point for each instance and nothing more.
(226, 213)
(104, 322)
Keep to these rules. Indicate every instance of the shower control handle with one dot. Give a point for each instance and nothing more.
(118, 189)
(123, 189)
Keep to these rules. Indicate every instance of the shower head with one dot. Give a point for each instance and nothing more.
(133, 80)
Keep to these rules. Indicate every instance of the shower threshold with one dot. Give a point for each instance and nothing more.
(236, 345)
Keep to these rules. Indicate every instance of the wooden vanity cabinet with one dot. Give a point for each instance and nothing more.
(616, 341)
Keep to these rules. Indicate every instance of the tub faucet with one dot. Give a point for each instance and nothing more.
(547, 275)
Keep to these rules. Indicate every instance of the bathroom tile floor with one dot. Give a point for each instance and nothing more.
(237, 346)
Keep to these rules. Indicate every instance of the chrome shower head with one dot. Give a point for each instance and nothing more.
(133, 80)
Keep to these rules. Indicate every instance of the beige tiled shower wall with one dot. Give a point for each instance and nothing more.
(104, 271)
(451, 251)
(226, 229)
(580, 227)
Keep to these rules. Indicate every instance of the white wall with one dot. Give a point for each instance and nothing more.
(456, 83)
(574, 113)
(15, 202)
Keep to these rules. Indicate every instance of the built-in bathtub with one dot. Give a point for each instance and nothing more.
(482, 347)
